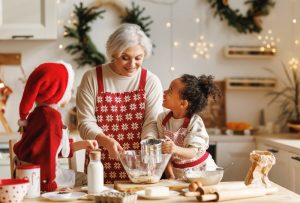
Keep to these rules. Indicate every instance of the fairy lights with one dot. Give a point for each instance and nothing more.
(293, 63)
(268, 42)
(201, 47)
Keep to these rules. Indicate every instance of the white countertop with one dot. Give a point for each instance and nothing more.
(230, 138)
(282, 196)
(288, 142)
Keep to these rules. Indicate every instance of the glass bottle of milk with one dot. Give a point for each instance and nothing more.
(95, 173)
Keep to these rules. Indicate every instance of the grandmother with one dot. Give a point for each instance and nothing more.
(118, 102)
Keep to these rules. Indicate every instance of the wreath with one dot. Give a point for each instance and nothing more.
(80, 28)
(249, 23)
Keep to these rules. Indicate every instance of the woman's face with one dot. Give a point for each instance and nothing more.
(172, 96)
(130, 61)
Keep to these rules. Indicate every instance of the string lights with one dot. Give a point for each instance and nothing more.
(294, 62)
(268, 42)
(201, 47)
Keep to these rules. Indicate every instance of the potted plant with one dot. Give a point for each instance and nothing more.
(287, 95)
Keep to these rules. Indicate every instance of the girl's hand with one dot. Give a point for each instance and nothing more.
(168, 146)
(91, 144)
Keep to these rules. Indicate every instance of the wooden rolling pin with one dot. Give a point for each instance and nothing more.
(233, 194)
(237, 185)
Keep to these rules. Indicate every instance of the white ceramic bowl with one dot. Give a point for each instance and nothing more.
(212, 177)
(13, 190)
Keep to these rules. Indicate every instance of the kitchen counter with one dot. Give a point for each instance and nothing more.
(288, 142)
(231, 138)
(282, 196)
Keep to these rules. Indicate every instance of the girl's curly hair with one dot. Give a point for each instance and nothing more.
(197, 90)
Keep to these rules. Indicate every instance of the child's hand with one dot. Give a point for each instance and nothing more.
(168, 146)
(91, 144)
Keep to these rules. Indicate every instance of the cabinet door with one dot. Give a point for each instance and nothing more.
(234, 157)
(5, 169)
(280, 171)
(295, 172)
(28, 19)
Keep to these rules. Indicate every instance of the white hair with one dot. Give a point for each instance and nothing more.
(125, 36)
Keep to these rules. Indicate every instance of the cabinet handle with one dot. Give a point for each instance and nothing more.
(22, 36)
(297, 158)
(273, 150)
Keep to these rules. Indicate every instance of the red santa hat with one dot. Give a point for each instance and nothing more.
(49, 83)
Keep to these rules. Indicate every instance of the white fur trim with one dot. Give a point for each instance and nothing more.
(22, 123)
(71, 75)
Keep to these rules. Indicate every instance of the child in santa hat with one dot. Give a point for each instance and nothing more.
(45, 137)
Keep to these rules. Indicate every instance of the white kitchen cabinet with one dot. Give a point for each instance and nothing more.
(4, 168)
(28, 19)
(294, 172)
(280, 172)
(234, 157)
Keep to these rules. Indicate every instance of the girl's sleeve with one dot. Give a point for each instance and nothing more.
(197, 135)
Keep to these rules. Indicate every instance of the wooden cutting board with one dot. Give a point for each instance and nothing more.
(127, 186)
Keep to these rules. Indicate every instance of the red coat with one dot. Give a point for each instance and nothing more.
(40, 142)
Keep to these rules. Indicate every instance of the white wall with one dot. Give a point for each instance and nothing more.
(241, 105)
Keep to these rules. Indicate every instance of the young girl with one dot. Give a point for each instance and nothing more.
(183, 128)
(45, 137)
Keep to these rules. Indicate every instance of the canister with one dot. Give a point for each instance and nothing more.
(31, 173)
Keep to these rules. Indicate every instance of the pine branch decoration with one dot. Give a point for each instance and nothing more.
(243, 24)
(134, 16)
(83, 45)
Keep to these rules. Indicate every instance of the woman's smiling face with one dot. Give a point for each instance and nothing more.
(129, 61)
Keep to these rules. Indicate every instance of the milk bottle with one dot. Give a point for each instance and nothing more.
(95, 173)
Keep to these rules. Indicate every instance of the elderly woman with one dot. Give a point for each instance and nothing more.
(118, 102)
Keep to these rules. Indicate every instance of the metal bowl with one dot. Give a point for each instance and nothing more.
(209, 177)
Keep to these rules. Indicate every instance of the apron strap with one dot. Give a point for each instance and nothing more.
(99, 78)
(143, 79)
(142, 83)
(167, 118)
(170, 114)
(186, 122)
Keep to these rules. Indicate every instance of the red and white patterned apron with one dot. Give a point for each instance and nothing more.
(121, 116)
(179, 164)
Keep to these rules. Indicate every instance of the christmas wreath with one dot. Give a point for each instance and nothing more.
(80, 28)
(249, 23)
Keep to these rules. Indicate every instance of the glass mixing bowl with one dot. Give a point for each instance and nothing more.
(209, 177)
(141, 170)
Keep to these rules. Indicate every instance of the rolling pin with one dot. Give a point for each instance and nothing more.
(233, 194)
(219, 187)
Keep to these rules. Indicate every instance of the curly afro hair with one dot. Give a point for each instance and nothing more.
(197, 91)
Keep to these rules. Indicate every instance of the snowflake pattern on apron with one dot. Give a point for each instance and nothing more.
(121, 116)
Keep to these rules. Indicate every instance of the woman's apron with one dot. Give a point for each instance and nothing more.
(179, 164)
(121, 116)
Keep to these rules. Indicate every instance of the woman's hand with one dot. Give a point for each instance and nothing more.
(168, 146)
(111, 145)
